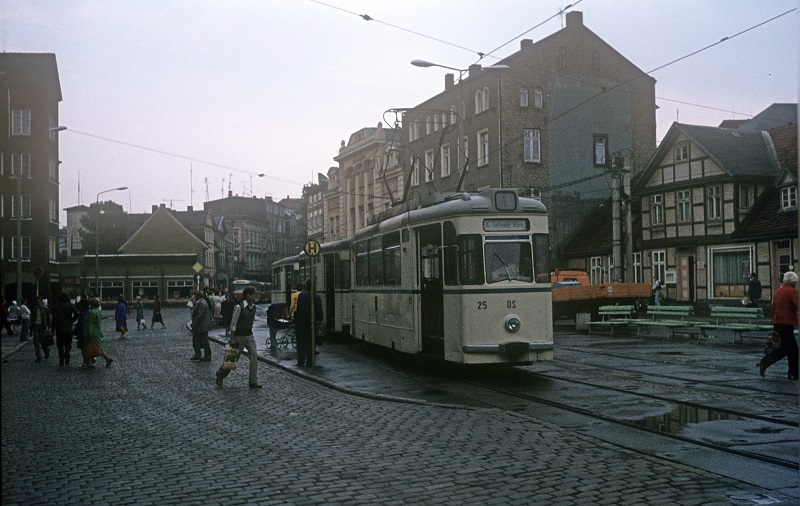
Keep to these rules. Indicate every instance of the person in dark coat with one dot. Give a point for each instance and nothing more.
(157, 313)
(227, 310)
(64, 315)
(302, 324)
(784, 321)
(201, 324)
(121, 316)
(753, 290)
(40, 321)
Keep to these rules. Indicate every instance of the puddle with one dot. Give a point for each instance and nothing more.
(680, 417)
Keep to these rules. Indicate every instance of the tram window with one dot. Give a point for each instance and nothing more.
(470, 254)
(376, 261)
(362, 264)
(450, 254)
(391, 258)
(508, 260)
(343, 274)
(541, 257)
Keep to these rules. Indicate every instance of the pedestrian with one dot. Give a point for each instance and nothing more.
(139, 307)
(784, 321)
(25, 321)
(93, 336)
(302, 324)
(14, 313)
(272, 323)
(157, 313)
(218, 298)
(121, 316)
(40, 319)
(64, 315)
(227, 311)
(4, 314)
(753, 290)
(244, 315)
(656, 291)
(293, 303)
(82, 306)
(201, 324)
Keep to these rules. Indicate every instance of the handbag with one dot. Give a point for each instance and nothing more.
(231, 357)
(773, 343)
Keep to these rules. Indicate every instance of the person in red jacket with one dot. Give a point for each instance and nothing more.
(784, 321)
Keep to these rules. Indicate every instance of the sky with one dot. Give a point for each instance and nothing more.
(182, 100)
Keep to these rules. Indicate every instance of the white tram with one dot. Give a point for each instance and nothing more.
(464, 280)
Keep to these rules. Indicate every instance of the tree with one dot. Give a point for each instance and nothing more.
(112, 229)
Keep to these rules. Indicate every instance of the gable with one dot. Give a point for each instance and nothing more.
(163, 234)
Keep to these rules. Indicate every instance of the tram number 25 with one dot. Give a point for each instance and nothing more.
(510, 304)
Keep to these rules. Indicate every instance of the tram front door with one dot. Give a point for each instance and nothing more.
(431, 297)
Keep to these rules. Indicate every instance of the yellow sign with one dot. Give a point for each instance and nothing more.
(197, 267)
(312, 248)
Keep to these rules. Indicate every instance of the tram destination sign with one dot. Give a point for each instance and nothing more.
(506, 225)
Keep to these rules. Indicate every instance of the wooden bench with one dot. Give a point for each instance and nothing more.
(736, 319)
(612, 317)
(671, 317)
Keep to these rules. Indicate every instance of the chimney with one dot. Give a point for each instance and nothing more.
(474, 69)
(190, 208)
(525, 43)
(574, 19)
(449, 80)
(230, 193)
(155, 207)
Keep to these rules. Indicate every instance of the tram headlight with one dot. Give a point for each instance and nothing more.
(512, 324)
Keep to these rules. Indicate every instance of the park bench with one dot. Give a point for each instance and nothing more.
(671, 317)
(736, 319)
(612, 317)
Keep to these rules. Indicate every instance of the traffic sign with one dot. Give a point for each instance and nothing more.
(38, 270)
(197, 267)
(198, 279)
(312, 248)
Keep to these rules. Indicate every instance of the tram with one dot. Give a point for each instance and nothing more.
(465, 279)
(262, 289)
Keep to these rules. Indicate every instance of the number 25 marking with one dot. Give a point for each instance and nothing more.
(482, 304)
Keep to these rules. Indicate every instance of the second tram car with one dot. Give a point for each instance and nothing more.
(262, 289)
(464, 280)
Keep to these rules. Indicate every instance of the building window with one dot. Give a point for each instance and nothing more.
(21, 122)
(600, 142)
(53, 210)
(51, 132)
(26, 247)
(537, 98)
(436, 122)
(682, 152)
(532, 145)
(660, 266)
(745, 196)
(415, 172)
(428, 126)
(429, 161)
(595, 60)
(714, 203)
(657, 210)
(446, 160)
(597, 271)
(562, 58)
(730, 270)
(478, 101)
(523, 97)
(788, 197)
(413, 132)
(534, 193)
(453, 115)
(637, 268)
(683, 201)
(52, 173)
(21, 164)
(483, 147)
(26, 206)
(52, 249)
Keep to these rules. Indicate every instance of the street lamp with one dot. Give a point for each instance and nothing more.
(97, 241)
(498, 67)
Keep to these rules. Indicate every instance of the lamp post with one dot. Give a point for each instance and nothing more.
(498, 67)
(97, 241)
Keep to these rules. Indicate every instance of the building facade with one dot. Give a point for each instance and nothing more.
(29, 175)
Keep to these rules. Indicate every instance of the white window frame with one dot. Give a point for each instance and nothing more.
(788, 197)
(683, 205)
(21, 164)
(52, 170)
(538, 98)
(21, 122)
(681, 152)
(600, 149)
(26, 247)
(26, 206)
(656, 210)
(486, 99)
(52, 243)
(415, 172)
(523, 96)
(428, 125)
(445, 156)
(483, 147)
(746, 196)
(596, 270)
(638, 276)
(714, 202)
(659, 259)
(429, 163)
(53, 210)
(436, 122)
(453, 115)
(532, 145)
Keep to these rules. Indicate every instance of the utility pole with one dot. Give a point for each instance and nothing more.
(616, 165)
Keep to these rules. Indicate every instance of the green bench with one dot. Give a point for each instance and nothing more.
(612, 317)
(736, 319)
(671, 317)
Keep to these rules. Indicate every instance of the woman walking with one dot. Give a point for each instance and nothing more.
(93, 336)
(121, 316)
(784, 321)
(63, 314)
(157, 313)
(139, 307)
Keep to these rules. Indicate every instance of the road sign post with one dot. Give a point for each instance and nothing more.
(312, 248)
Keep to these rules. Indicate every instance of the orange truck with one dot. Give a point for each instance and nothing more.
(573, 294)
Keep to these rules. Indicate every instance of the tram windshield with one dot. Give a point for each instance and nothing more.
(508, 258)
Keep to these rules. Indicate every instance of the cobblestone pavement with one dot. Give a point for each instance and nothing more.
(155, 429)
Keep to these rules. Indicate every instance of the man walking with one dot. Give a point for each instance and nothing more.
(244, 314)
(201, 324)
(302, 324)
(753, 290)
